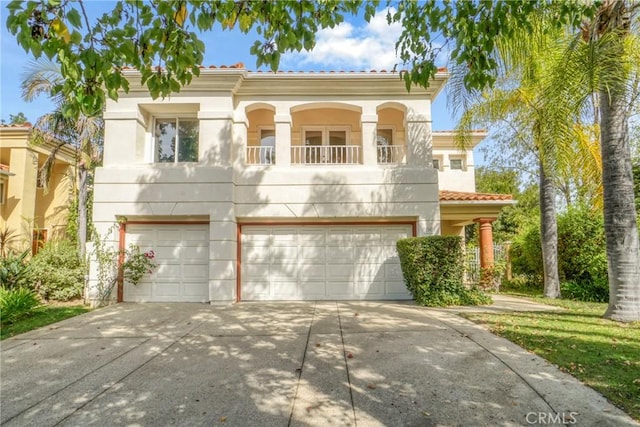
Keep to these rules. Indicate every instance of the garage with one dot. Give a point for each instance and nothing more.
(322, 262)
(182, 256)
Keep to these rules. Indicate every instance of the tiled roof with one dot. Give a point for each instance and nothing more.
(461, 196)
(240, 66)
(23, 125)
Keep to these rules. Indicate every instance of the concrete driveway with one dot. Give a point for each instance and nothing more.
(284, 364)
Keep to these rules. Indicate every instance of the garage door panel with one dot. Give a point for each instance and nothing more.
(339, 289)
(284, 289)
(194, 289)
(195, 271)
(312, 288)
(322, 262)
(182, 257)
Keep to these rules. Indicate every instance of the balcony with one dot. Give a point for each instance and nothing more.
(327, 155)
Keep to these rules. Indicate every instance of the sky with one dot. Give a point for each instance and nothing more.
(352, 45)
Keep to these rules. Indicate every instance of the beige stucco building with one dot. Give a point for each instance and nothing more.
(280, 186)
(25, 206)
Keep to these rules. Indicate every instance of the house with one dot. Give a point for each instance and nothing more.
(280, 186)
(26, 208)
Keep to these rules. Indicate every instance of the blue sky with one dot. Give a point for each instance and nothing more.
(353, 45)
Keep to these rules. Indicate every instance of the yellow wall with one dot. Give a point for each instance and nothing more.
(26, 206)
(258, 119)
(394, 118)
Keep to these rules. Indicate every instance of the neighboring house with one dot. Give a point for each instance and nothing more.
(280, 186)
(32, 213)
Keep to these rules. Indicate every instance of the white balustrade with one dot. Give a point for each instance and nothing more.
(326, 155)
(261, 155)
(392, 154)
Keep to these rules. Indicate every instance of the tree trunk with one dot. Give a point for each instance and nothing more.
(83, 192)
(549, 235)
(621, 230)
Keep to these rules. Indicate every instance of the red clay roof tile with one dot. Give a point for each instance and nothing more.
(461, 196)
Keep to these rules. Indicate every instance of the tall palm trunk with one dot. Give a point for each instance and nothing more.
(620, 227)
(621, 230)
(549, 234)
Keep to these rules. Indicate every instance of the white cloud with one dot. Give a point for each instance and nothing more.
(348, 47)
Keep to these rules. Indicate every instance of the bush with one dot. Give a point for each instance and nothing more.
(526, 255)
(57, 273)
(433, 269)
(596, 291)
(582, 259)
(16, 303)
(14, 270)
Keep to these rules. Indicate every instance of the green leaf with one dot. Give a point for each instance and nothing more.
(74, 18)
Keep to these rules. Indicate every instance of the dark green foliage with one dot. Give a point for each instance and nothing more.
(582, 260)
(14, 270)
(57, 273)
(594, 291)
(433, 268)
(16, 303)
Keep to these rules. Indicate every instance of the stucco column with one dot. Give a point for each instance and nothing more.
(369, 140)
(239, 140)
(282, 120)
(419, 144)
(486, 242)
(214, 145)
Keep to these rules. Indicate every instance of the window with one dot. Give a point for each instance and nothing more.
(268, 146)
(456, 164)
(3, 187)
(328, 145)
(384, 141)
(176, 140)
(436, 164)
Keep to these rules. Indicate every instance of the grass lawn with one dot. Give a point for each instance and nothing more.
(604, 355)
(42, 316)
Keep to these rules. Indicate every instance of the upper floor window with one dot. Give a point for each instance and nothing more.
(456, 164)
(436, 164)
(2, 191)
(176, 140)
(267, 146)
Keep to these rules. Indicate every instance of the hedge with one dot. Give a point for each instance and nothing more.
(433, 270)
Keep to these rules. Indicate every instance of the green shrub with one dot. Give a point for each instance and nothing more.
(57, 273)
(14, 270)
(582, 256)
(433, 268)
(582, 259)
(596, 291)
(16, 303)
(526, 255)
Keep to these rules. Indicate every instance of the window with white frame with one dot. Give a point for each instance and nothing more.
(456, 163)
(325, 144)
(176, 140)
(437, 162)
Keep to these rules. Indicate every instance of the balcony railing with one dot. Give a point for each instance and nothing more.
(261, 155)
(392, 154)
(326, 155)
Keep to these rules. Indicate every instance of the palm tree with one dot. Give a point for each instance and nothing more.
(519, 99)
(609, 48)
(85, 134)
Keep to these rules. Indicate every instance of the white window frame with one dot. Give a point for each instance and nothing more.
(392, 128)
(463, 163)
(440, 161)
(154, 142)
(271, 128)
(325, 133)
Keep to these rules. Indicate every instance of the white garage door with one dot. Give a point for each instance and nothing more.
(322, 262)
(182, 256)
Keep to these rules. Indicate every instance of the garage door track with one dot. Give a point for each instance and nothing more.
(284, 364)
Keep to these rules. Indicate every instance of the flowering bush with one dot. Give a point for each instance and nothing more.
(137, 264)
